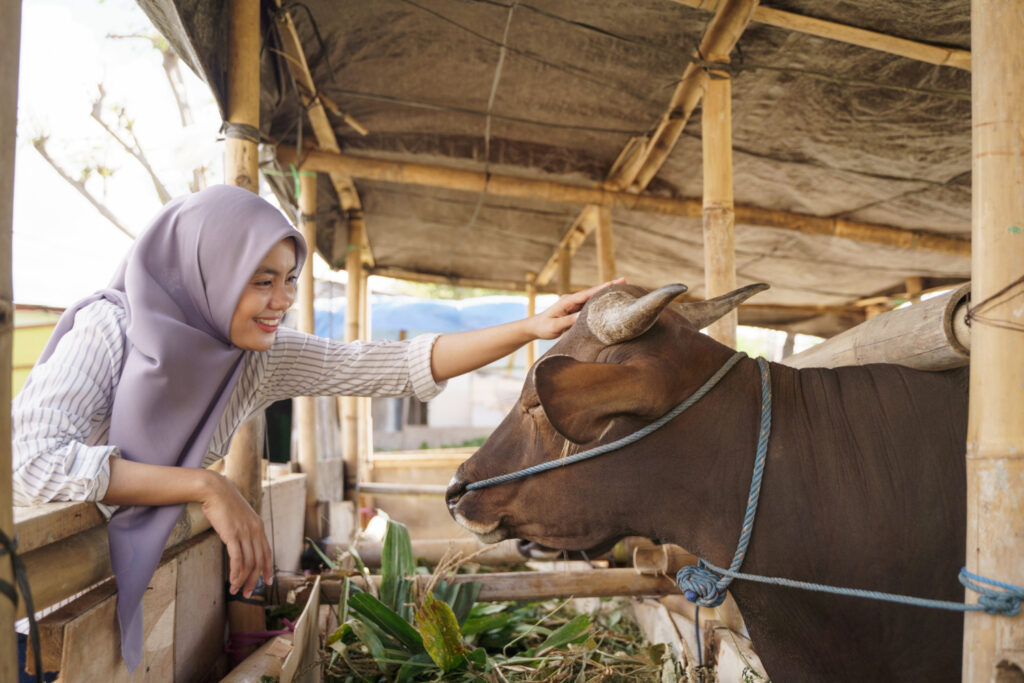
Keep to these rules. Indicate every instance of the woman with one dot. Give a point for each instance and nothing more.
(142, 385)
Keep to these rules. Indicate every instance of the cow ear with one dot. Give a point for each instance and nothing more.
(581, 399)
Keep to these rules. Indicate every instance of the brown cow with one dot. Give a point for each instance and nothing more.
(864, 484)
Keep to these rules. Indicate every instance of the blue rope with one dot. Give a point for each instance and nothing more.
(705, 584)
(700, 585)
(615, 445)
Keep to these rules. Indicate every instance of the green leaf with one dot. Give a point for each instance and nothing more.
(338, 634)
(374, 611)
(478, 657)
(372, 642)
(346, 589)
(463, 597)
(413, 666)
(575, 630)
(396, 562)
(440, 631)
(486, 622)
(328, 561)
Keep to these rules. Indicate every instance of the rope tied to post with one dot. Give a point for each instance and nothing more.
(9, 546)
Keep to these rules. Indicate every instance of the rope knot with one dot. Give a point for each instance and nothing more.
(1006, 601)
(700, 585)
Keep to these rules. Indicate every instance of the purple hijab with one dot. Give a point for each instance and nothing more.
(180, 284)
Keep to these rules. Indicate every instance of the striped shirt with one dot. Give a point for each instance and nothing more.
(61, 417)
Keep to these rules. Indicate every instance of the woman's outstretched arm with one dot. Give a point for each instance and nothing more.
(455, 354)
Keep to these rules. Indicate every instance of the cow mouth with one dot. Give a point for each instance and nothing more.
(488, 533)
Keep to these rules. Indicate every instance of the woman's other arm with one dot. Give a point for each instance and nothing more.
(239, 527)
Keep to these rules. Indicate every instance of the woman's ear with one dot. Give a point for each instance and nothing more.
(580, 399)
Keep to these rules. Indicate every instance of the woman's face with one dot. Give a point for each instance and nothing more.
(269, 293)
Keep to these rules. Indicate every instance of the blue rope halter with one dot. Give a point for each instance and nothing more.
(620, 443)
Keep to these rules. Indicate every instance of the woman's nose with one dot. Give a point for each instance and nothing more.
(282, 298)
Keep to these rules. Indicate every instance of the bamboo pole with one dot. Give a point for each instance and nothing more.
(570, 242)
(531, 310)
(564, 271)
(605, 244)
(922, 52)
(241, 157)
(719, 217)
(994, 645)
(501, 586)
(350, 404)
(930, 335)
(10, 16)
(303, 407)
(511, 186)
(365, 402)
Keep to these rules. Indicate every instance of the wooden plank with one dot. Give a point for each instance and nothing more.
(301, 664)
(993, 644)
(266, 661)
(284, 508)
(199, 609)
(10, 17)
(91, 648)
(512, 186)
(436, 458)
(39, 525)
(372, 488)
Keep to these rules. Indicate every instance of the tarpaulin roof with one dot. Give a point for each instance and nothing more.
(555, 89)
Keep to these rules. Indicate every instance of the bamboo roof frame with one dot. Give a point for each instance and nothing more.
(641, 158)
(313, 100)
(513, 186)
(911, 49)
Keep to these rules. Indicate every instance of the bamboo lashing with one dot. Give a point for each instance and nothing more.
(994, 646)
(512, 186)
(922, 52)
(929, 335)
(10, 16)
(719, 216)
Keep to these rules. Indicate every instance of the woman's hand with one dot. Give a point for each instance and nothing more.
(560, 316)
(241, 530)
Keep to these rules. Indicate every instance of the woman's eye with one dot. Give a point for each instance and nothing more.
(293, 279)
(262, 283)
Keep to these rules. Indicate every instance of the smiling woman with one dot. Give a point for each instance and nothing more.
(143, 383)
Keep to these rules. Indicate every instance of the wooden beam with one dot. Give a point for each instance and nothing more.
(605, 244)
(993, 646)
(577, 233)
(303, 407)
(564, 271)
(922, 52)
(47, 523)
(719, 214)
(531, 310)
(10, 16)
(511, 186)
(501, 586)
(517, 286)
(314, 101)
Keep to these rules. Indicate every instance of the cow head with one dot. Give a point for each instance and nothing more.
(630, 358)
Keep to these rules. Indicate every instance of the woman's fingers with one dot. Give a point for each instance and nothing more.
(234, 563)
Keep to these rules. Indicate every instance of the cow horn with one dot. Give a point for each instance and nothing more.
(619, 316)
(703, 313)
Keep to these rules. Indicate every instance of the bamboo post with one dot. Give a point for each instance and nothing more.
(243, 106)
(10, 16)
(531, 310)
(303, 407)
(564, 271)
(354, 300)
(719, 215)
(994, 645)
(605, 245)
(242, 463)
(365, 402)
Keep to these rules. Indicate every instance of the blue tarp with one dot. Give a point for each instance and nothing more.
(394, 313)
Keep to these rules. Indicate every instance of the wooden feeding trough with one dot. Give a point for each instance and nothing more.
(481, 144)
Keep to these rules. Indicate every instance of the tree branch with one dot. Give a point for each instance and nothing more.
(135, 151)
(40, 145)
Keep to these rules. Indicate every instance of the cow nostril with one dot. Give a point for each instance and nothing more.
(455, 491)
